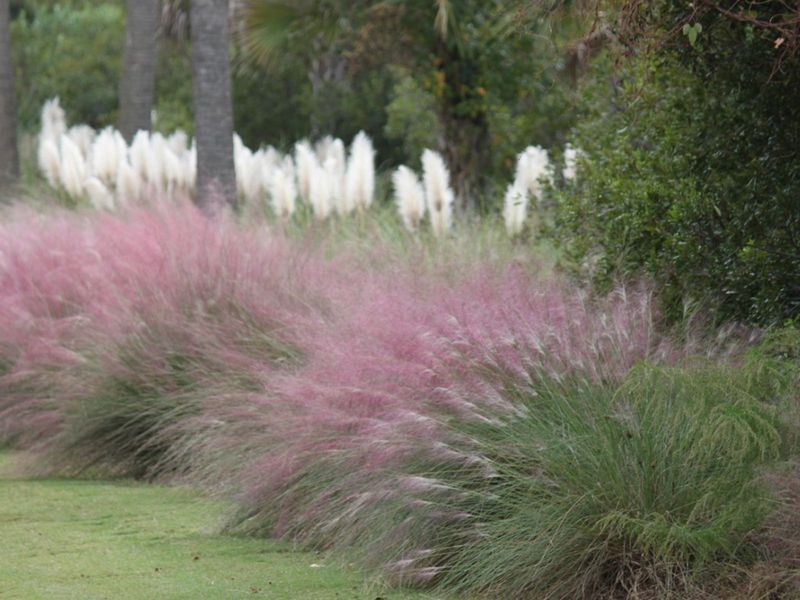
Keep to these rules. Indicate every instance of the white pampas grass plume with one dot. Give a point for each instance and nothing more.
(322, 149)
(248, 178)
(410, 197)
(264, 165)
(53, 126)
(320, 193)
(129, 184)
(283, 193)
(306, 166)
(54, 121)
(99, 196)
(50, 161)
(515, 209)
(571, 156)
(155, 162)
(108, 150)
(138, 154)
(334, 171)
(338, 170)
(178, 142)
(83, 136)
(331, 148)
(270, 157)
(289, 169)
(73, 167)
(172, 169)
(360, 177)
(533, 165)
(337, 152)
(438, 194)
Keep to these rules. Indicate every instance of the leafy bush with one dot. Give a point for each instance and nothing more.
(71, 52)
(689, 177)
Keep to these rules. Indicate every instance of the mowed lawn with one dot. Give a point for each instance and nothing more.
(67, 539)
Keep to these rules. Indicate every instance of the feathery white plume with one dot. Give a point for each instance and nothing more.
(338, 153)
(53, 126)
(99, 196)
(515, 209)
(172, 169)
(283, 193)
(270, 157)
(155, 162)
(322, 149)
(410, 197)
(334, 167)
(129, 184)
(287, 164)
(264, 165)
(50, 161)
(360, 177)
(306, 163)
(320, 193)
(83, 136)
(178, 142)
(138, 154)
(248, 178)
(108, 150)
(438, 194)
(54, 121)
(533, 164)
(73, 167)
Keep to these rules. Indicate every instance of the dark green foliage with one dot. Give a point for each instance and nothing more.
(74, 53)
(651, 485)
(692, 175)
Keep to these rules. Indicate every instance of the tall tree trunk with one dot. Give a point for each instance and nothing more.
(325, 66)
(137, 87)
(9, 157)
(465, 143)
(213, 107)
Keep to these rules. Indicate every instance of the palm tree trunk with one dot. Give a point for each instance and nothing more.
(465, 146)
(213, 107)
(137, 87)
(9, 157)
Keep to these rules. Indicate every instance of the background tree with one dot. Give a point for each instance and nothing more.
(459, 52)
(9, 158)
(690, 172)
(213, 107)
(137, 86)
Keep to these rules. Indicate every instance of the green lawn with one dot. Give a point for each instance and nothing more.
(67, 539)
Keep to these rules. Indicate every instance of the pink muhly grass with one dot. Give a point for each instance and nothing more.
(332, 400)
(123, 298)
(376, 395)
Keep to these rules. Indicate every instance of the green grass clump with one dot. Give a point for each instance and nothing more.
(129, 541)
(602, 490)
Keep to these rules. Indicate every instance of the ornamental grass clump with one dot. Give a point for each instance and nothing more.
(599, 491)
(373, 391)
(448, 421)
(150, 315)
(500, 435)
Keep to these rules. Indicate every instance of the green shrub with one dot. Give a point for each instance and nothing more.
(691, 177)
(71, 52)
(598, 489)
